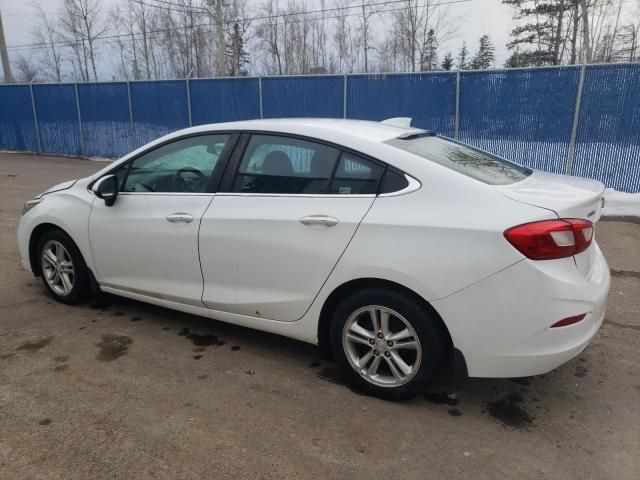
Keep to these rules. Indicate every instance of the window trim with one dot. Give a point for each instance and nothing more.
(212, 183)
(233, 167)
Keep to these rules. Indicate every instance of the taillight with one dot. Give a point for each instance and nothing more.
(551, 239)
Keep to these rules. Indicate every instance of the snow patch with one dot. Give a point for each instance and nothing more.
(621, 204)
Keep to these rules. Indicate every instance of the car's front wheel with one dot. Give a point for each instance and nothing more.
(387, 343)
(64, 272)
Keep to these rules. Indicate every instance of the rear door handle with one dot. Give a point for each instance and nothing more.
(180, 218)
(319, 220)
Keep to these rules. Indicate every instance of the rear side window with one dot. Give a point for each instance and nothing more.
(356, 176)
(463, 159)
(273, 164)
(393, 181)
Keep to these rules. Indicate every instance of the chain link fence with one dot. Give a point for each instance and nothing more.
(581, 120)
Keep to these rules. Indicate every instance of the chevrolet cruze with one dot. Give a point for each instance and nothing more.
(402, 251)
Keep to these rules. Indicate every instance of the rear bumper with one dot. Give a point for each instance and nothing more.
(502, 324)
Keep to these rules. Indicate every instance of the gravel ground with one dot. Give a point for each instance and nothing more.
(120, 389)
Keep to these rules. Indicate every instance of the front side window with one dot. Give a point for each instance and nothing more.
(283, 165)
(183, 166)
(463, 159)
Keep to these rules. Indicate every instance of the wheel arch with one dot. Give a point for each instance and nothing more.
(330, 303)
(34, 240)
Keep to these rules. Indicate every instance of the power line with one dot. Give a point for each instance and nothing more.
(105, 38)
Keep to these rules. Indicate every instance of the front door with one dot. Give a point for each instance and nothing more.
(147, 242)
(268, 245)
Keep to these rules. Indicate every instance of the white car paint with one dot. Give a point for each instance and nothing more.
(442, 238)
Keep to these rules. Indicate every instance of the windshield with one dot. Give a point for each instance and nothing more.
(461, 158)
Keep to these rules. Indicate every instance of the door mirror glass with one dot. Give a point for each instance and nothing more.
(107, 189)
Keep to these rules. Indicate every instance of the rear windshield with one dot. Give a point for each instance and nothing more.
(461, 158)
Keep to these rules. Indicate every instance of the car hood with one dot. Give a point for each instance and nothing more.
(61, 186)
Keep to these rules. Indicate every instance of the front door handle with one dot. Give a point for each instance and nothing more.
(319, 220)
(180, 218)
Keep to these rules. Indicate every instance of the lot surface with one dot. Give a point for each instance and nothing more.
(120, 389)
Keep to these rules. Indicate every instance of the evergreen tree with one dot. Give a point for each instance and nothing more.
(236, 54)
(429, 58)
(447, 62)
(463, 58)
(485, 54)
(540, 31)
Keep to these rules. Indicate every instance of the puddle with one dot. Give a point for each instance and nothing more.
(35, 345)
(201, 340)
(507, 410)
(113, 347)
(332, 374)
(441, 398)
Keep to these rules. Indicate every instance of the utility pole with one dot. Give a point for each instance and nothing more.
(219, 32)
(221, 70)
(6, 66)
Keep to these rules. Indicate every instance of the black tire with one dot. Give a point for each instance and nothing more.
(430, 337)
(81, 285)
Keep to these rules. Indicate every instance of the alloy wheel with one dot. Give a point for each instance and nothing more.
(57, 267)
(382, 346)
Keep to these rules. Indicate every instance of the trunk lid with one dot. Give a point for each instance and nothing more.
(567, 197)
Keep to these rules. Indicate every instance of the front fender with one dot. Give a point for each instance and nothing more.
(67, 210)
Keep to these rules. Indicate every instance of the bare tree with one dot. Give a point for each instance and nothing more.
(81, 25)
(25, 69)
(46, 34)
(269, 35)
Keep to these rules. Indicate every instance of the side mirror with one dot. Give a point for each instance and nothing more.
(106, 188)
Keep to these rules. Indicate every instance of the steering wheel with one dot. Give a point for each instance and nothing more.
(181, 183)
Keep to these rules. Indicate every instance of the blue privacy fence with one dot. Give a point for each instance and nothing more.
(583, 120)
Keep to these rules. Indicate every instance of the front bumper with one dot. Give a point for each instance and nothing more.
(502, 324)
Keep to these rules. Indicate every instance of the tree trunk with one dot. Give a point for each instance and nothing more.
(586, 43)
(574, 33)
(556, 46)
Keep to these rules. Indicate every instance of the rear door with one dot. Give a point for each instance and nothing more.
(290, 207)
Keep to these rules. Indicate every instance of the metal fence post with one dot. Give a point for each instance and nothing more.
(133, 129)
(344, 99)
(574, 128)
(35, 117)
(260, 96)
(189, 101)
(456, 128)
(79, 121)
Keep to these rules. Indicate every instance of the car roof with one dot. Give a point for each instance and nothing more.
(329, 129)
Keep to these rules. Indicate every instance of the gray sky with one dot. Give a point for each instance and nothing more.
(474, 18)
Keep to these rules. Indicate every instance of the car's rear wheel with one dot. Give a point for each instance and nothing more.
(387, 343)
(64, 272)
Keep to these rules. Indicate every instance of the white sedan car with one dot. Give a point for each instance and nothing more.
(402, 251)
